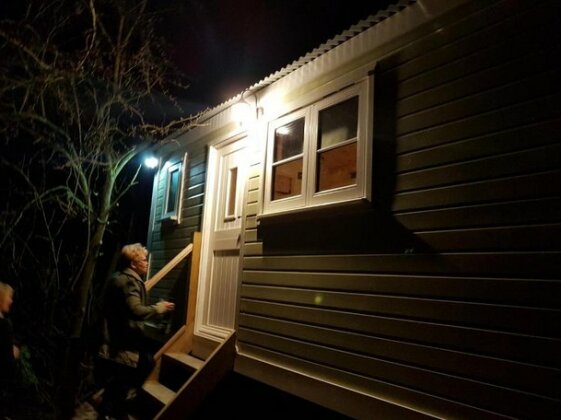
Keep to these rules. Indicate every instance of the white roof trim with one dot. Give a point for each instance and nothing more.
(354, 30)
(424, 11)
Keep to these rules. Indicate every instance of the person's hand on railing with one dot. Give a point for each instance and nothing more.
(164, 306)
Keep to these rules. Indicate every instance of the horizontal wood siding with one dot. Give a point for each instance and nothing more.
(169, 238)
(252, 243)
(444, 293)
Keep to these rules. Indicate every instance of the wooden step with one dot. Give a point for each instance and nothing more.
(193, 391)
(158, 391)
(176, 368)
(203, 347)
(186, 359)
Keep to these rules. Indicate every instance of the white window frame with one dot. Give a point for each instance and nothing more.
(297, 200)
(175, 212)
(309, 197)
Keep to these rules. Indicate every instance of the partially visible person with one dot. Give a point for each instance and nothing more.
(126, 348)
(9, 352)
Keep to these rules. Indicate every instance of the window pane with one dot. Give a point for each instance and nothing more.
(338, 123)
(289, 140)
(336, 167)
(172, 191)
(287, 179)
(232, 193)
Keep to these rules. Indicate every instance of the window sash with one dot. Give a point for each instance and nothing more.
(171, 206)
(310, 196)
(358, 189)
(292, 200)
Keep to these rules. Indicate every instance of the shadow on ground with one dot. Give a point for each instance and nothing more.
(237, 396)
(242, 397)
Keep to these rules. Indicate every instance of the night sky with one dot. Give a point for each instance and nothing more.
(224, 46)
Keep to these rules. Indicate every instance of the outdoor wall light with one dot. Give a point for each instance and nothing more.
(242, 111)
(151, 162)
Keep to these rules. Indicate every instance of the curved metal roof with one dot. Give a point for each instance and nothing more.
(354, 30)
(332, 43)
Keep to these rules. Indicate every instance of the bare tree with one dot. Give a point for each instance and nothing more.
(77, 81)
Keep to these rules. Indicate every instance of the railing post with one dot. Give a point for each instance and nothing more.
(183, 339)
(194, 281)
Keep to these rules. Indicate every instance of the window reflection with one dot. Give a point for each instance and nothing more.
(173, 190)
(338, 123)
(336, 167)
(289, 140)
(287, 179)
(337, 145)
(232, 193)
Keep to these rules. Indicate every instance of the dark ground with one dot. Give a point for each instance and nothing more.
(240, 397)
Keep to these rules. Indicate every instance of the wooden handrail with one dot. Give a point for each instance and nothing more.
(182, 341)
(168, 267)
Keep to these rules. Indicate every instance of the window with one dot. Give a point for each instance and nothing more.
(174, 185)
(320, 154)
(232, 192)
(288, 163)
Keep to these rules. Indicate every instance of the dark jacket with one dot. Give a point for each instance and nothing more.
(126, 310)
(7, 361)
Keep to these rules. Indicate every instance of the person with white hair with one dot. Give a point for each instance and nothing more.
(126, 347)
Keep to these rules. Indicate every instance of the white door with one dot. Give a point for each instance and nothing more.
(218, 285)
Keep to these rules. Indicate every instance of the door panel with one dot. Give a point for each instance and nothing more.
(223, 289)
(224, 209)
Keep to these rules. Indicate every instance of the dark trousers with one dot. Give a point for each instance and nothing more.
(5, 398)
(119, 379)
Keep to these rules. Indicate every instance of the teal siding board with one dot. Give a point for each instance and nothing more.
(447, 285)
(168, 238)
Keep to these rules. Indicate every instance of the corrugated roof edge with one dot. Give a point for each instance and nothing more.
(354, 30)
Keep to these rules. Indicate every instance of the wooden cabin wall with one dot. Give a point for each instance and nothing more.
(168, 238)
(444, 293)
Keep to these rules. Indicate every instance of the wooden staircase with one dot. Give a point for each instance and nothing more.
(182, 380)
(188, 367)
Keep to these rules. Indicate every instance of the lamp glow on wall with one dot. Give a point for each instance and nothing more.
(241, 111)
